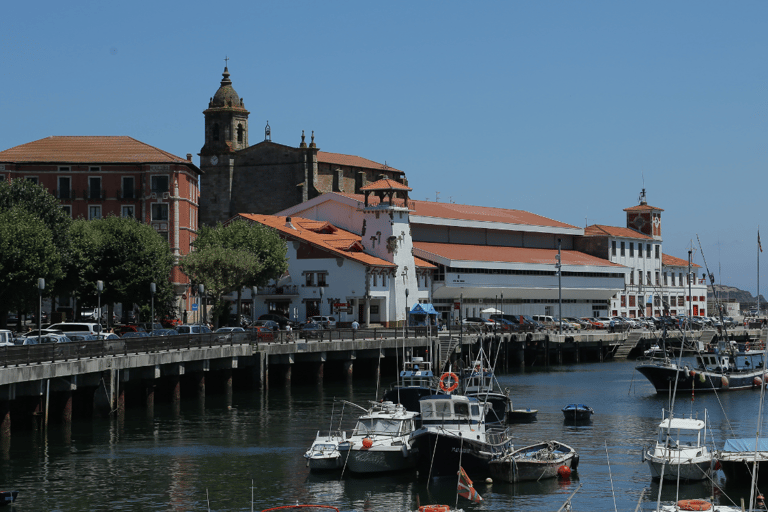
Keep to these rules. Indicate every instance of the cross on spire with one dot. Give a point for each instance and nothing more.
(226, 61)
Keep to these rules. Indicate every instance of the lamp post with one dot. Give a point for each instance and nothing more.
(152, 289)
(405, 323)
(40, 288)
(559, 288)
(320, 306)
(201, 305)
(99, 289)
(253, 305)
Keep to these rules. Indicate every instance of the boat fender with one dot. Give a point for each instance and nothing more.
(693, 374)
(687, 372)
(724, 382)
(702, 378)
(404, 450)
(564, 472)
(716, 465)
(694, 505)
(757, 381)
(489, 480)
(575, 462)
(367, 443)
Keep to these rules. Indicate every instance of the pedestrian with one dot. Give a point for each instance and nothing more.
(612, 325)
(355, 327)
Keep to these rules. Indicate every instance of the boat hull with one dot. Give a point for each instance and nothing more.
(454, 451)
(688, 471)
(521, 467)
(325, 463)
(663, 377)
(7, 497)
(522, 415)
(381, 459)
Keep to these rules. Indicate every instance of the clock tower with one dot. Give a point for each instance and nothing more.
(644, 218)
(226, 132)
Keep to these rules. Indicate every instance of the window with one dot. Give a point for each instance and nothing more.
(163, 234)
(159, 184)
(215, 132)
(240, 133)
(631, 277)
(127, 211)
(94, 212)
(648, 251)
(321, 279)
(657, 251)
(631, 249)
(310, 276)
(665, 279)
(159, 211)
(631, 301)
(613, 247)
(128, 192)
(657, 279)
(681, 279)
(67, 208)
(33, 179)
(94, 187)
(649, 278)
(375, 276)
(622, 248)
(64, 186)
(384, 280)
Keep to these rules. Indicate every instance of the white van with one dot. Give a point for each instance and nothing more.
(545, 320)
(74, 328)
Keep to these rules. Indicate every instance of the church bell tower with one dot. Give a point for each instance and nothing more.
(226, 132)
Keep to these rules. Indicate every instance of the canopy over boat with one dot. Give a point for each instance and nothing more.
(684, 424)
(746, 444)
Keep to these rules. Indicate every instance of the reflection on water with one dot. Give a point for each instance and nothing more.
(254, 443)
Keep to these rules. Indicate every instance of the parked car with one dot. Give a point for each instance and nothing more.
(135, 334)
(577, 323)
(280, 319)
(270, 325)
(193, 329)
(311, 330)
(505, 325)
(46, 338)
(261, 332)
(164, 332)
(6, 338)
(170, 323)
(229, 329)
(328, 322)
(74, 328)
(130, 328)
(729, 321)
(149, 327)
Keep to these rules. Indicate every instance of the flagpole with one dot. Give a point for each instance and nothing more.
(759, 248)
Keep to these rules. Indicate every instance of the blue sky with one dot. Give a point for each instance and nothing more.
(564, 109)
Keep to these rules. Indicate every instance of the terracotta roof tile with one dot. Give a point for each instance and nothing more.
(89, 149)
(642, 207)
(460, 252)
(468, 212)
(673, 261)
(600, 230)
(352, 161)
(386, 184)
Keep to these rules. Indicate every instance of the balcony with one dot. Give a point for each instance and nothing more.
(127, 193)
(279, 291)
(65, 193)
(94, 194)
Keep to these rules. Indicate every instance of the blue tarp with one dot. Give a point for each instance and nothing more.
(420, 313)
(745, 445)
(423, 309)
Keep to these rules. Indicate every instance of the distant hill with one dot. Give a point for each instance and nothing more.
(733, 294)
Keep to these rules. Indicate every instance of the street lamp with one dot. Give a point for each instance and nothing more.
(99, 289)
(40, 288)
(558, 266)
(405, 326)
(152, 289)
(201, 291)
(253, 305)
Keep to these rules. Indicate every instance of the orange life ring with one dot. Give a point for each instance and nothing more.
(694, 505)
(453, 386)
(434, 508)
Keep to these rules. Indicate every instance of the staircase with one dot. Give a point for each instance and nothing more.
(447, 348)
(628, 345)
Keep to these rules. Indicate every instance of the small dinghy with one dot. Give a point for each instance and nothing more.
(577, 412)
(324, 453)
(7, 497)
(547, 459)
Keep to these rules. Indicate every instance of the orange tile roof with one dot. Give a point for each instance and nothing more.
(386, 184)
(352, 161)
(89, 149)
(468, 212)
(600, 230)
(673, 261)
(642, 207)
(324, 236)
(460, 252)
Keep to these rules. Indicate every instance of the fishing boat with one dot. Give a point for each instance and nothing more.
(727, 366)
(381, 441)
(453, 434)
(737, 459)
(324, 453)
(535, 462)
(302, 508)
(415, 381)
(577, 412)
(680, 452)
(7, 497)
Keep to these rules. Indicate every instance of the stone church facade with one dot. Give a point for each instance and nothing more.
(268, 177)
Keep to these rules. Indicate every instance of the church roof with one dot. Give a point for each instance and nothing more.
(498, 254)
(352, 161)
(226, 96)
(672, 261)
(89, 149)
(642, 208)
(600, 230)
(386, 184)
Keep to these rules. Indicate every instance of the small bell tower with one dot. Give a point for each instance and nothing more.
(645, 219)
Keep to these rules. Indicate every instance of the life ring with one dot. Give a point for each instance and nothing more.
(434, 508)
(747, 347)
(694, 505)
(446, 376)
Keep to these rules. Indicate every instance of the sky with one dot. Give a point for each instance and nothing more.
(564, 109)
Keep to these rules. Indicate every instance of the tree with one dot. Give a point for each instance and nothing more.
(221, 271)
(262, 243)
(27, 252)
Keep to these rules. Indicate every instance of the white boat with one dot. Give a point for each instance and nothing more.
(381, 441)
(535, 462)
(324, 453)
(680, 451)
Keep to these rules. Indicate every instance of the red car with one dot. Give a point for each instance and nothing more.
(171, 323)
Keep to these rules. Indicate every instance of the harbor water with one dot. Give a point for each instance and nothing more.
(225, 454)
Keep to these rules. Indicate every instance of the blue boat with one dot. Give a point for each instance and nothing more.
(577, 412)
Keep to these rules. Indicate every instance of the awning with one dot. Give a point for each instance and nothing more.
(423, 309)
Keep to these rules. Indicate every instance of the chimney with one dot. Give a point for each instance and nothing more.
(189, 156)
(288, 223)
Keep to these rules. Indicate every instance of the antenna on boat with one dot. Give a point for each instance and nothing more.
(757, 435)
(251, 494)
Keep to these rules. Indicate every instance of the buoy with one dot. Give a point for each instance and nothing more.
(489, 480)
(757, 381)
(694, 505)
(724, 382)
(564, 472)
(693, 374)
(702, 378)
(367, 443)
(760, 501)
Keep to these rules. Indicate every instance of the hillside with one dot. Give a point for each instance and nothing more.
(732, 293)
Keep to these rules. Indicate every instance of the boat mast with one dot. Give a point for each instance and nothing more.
(757, 434)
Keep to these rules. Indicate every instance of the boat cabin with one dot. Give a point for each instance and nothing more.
(385, 419)
(722, 360)
(683, 433)
(416, 373)
(477, 379)
(450, 409)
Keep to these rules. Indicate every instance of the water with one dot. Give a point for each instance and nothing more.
(168, 461)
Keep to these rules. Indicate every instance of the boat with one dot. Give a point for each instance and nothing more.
(680, 452)
(535, 462)
(453, 434)
(699, 505)
(737, 459)
(726, 366)
(7, 497)
(577, 412)
(324, 453)
(381, 441)
(302, 508)
(416, 380)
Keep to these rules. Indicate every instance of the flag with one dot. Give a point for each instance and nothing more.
(465, 487)
(759, 245)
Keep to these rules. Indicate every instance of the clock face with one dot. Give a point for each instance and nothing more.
(214, 160)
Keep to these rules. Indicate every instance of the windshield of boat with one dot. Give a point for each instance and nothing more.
(680, 438)
(378, 426)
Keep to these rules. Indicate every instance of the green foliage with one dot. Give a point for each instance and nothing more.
(27, 252)
(221, 270)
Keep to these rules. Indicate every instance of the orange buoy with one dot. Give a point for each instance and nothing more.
(564, 472)
(724, 382)
(367, 443)
(757, 381)
(693, 374)
(694, 505)
(445, 377)
(434, 508)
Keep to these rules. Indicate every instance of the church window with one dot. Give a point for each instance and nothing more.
(159, 211)
(215, 134)
(240, 133)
